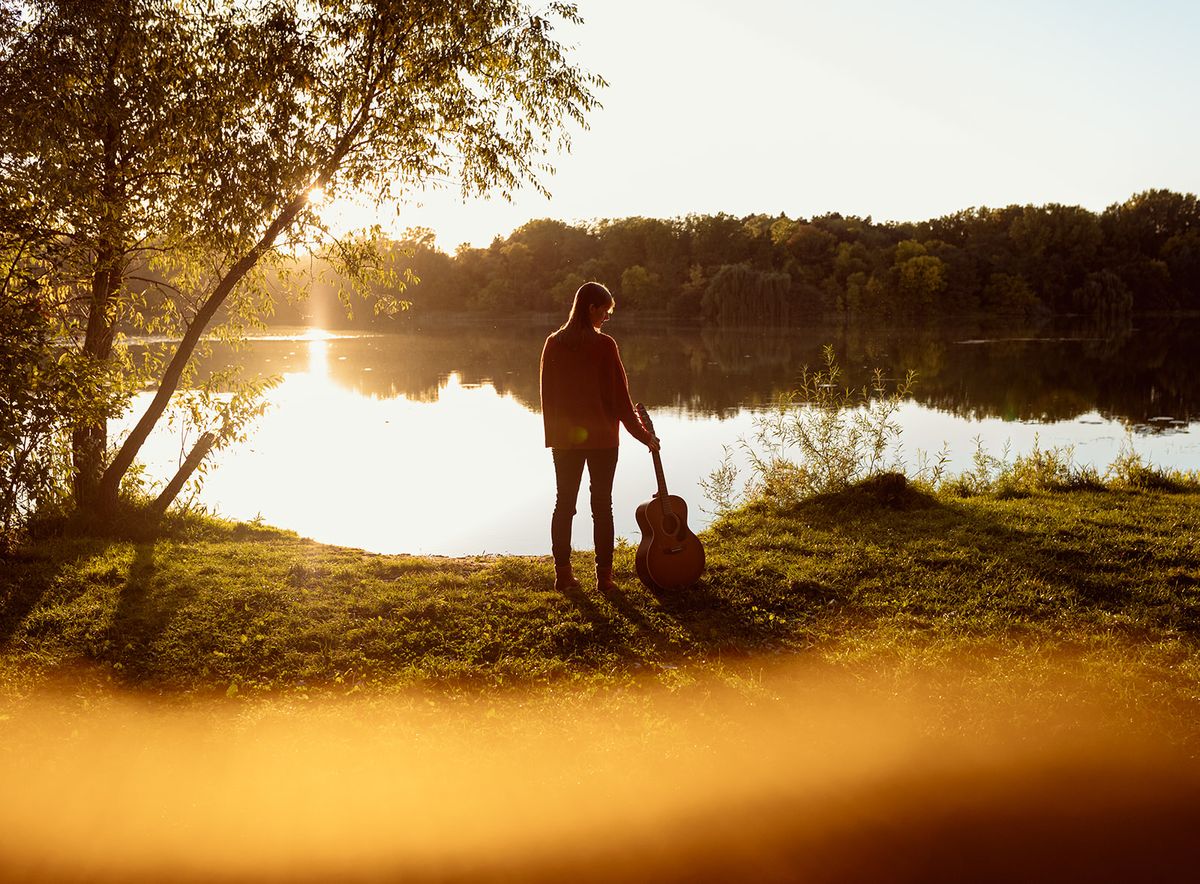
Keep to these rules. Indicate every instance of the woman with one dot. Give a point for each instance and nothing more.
(585, 394)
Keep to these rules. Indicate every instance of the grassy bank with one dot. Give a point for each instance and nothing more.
(1098, 588)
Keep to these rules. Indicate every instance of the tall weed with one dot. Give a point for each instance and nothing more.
(822, 437)
(1130, 471)
(1042, 469)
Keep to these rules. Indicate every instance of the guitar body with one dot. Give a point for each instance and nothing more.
(669, 556)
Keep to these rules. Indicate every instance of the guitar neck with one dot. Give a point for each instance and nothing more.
(644, 417)
(658, 474)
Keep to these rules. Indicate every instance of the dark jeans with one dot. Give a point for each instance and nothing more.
(568, 472)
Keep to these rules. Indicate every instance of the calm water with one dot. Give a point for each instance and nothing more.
(430, 441)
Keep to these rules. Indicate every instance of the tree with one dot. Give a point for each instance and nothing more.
(656, 245)
(1145, 221)
(717, 240)
(189, 137)
(640, 288)
(1182, 255)
(1103, 295)
(811, 251)
(739, 294)
(1010, 296)
(96, 111)
(1057, 247)
(920, 282)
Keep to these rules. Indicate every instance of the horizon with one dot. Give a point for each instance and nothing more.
(900, 115)
(592, 223)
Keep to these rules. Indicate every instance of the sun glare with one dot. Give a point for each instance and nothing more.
(316, 196)
(316, 334)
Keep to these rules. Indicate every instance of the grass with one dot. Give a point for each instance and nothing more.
(1046, 595)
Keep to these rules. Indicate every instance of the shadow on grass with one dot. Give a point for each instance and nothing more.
(144, 612)
(778, 580)
(622, 629)
(27, 576)
(714, 622)
(1021, 563)
(41, 589)
(655, 625)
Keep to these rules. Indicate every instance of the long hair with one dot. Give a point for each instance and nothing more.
(579, 322)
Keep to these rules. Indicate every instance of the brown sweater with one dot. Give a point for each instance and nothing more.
(585, 394)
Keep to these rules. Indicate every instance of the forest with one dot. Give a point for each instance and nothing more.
(1019, 262)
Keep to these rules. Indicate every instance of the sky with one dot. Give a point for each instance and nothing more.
(898, 110)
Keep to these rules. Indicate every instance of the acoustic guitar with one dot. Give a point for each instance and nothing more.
(670, 556)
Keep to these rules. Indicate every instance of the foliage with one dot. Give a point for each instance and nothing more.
(162, 159)
(1130, 471)
(1052, 469)
(1010, 296)
(38, 395)
(1016, 261)
(1103, 295)
(827, 438)
(739, 294)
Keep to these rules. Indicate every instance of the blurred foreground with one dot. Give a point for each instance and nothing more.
(775, 773)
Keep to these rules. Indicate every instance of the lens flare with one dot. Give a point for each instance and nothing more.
(771, 774)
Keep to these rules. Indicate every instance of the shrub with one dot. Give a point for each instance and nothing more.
(1042, 469)
(821, 438)
(40, 389)
(825, 438)
(1131, 472)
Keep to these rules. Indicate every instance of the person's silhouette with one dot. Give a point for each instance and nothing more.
(585, 397)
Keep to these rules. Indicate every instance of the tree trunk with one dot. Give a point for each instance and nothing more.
(110, 483)
(203, 445)
(89, 440)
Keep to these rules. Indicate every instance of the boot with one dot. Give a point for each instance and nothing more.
(604, 579)
(564, 577)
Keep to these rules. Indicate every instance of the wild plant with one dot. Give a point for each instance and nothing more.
(1049, 469)
(822, 437)
(986, 470)
(1042, 469)
(1131, 471)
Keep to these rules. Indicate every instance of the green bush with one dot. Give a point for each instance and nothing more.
(823, 437)
(1130, 471)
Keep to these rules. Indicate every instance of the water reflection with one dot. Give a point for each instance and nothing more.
(430, 441)
(1131, 374)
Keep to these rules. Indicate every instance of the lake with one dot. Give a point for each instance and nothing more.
(429, 440)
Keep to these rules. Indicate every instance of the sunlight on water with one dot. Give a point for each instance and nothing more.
(454, 476)
(345, 456)
(467, 473)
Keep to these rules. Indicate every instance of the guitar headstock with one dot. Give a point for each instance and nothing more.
(644, 417)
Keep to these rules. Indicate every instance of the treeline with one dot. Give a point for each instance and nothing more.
(1018, 261)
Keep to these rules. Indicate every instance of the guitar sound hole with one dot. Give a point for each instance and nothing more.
(671, 524)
